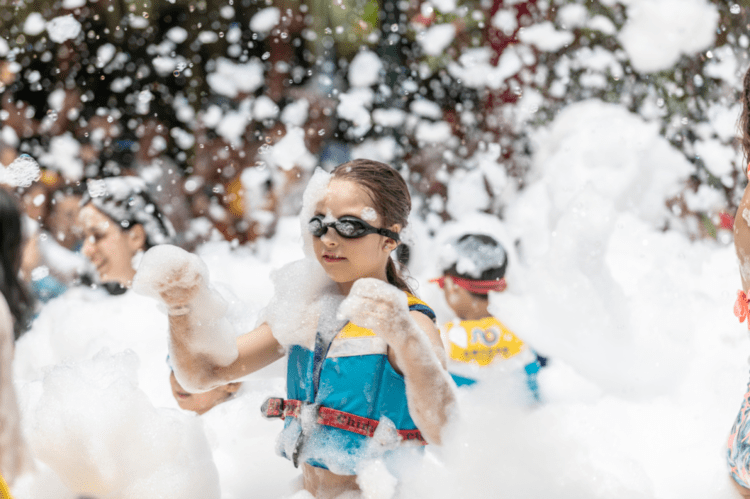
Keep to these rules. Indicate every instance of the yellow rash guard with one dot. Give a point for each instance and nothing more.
(481, 341)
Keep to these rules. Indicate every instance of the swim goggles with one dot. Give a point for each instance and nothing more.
(348, 226)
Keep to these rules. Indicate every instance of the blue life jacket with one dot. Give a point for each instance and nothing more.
(355, 377)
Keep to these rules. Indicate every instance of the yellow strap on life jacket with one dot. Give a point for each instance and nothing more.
(4, 489)
(413, 300)
(354, 331)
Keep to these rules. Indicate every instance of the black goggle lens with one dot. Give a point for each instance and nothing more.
(349, 227)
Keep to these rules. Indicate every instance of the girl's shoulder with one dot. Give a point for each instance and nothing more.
(417, 305)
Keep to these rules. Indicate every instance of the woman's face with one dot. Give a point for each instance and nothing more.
(109, 247)
(63, 219)
(346, 260)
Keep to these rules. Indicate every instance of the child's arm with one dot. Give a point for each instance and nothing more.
(415, 350)
(204, 350)
(742, 238)
(201, 373)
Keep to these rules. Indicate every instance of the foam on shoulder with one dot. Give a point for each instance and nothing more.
(303, 293)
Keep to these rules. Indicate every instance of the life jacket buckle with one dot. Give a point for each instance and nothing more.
(273, 407)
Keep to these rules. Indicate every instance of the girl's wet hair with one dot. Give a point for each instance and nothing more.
(11, 238)
(390, 198)
(126, 201)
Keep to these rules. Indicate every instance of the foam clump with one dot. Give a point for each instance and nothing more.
(546, 298)
(180, 279)
(92, 425)
(469, 256)
(472, 257)
(22, 172)
(371, 301)
(315, 191)
(376, 482)
(303, 293)
(166, 265)
(82, 322)
(244, 444)
(521, 441)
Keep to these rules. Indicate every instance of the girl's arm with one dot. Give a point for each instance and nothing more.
(256, 350)
(204, 349)
(742, 238)
(414, 348)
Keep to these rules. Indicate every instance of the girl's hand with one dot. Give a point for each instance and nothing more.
(379, 306)
(172, 275)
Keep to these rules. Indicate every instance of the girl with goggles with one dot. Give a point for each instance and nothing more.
(375, 352)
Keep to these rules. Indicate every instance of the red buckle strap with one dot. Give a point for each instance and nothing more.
(280, 408)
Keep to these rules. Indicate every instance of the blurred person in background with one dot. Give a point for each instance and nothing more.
(119, 221)
(51, 257)
(738, 444)
(473, 266)
(15, 303)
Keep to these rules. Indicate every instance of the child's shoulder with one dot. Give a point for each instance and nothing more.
(417, 305)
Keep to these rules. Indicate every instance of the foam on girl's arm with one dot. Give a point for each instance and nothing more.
(201, 338)
(378, 306)
(429, 387)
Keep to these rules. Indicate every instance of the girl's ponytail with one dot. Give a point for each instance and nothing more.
(395, 278)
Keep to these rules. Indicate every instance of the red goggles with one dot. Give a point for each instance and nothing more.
(472, 286)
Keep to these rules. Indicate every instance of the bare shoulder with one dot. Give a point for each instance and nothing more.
(428, 326)
(424, 322)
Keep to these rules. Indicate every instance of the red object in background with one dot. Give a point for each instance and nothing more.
(423, 20)
(499, 41)
(726, 221)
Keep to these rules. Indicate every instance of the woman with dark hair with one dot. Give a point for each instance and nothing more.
(119, 222)
(365, 357)
(738, 452)
(11, 286)
(14, 306)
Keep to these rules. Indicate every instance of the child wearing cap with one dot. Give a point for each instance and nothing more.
(473, 266)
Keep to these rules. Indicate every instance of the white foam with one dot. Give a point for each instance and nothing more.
(22, 172)
(677, 27)
(169, 267)
(92, 425)
(63, 28)
(365, 69)
(302, 294)
(314, 193)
